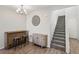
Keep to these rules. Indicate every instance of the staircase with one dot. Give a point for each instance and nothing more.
(58, 40)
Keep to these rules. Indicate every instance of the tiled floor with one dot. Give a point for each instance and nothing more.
(32, 49)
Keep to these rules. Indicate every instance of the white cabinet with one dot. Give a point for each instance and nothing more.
(40, 39)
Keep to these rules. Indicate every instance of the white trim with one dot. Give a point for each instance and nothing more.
(67, 35)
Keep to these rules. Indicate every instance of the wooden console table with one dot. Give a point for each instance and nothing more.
(9, 36)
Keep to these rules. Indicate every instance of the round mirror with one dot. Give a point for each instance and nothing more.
(36, 20)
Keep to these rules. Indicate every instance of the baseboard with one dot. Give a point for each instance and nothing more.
(73, 38)
(2, 48)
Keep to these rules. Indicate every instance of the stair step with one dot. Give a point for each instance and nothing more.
(59, 32)
(59, 43)
(59, 35)
(61, 22)
(60, 29)
(57, 46)
(59, 38)
(60, 26)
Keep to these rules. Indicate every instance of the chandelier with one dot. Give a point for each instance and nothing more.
(21, 10)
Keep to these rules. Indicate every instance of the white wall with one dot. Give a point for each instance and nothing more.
(10, 21)
(71, 15)
(77, 12)
(71, 25)
(43, 27)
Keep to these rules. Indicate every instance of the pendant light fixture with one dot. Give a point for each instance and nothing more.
(21, 10)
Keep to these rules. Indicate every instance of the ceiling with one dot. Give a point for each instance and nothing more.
(41, 7)
(50, 7)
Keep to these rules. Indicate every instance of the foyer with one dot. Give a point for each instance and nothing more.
(50, 29)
